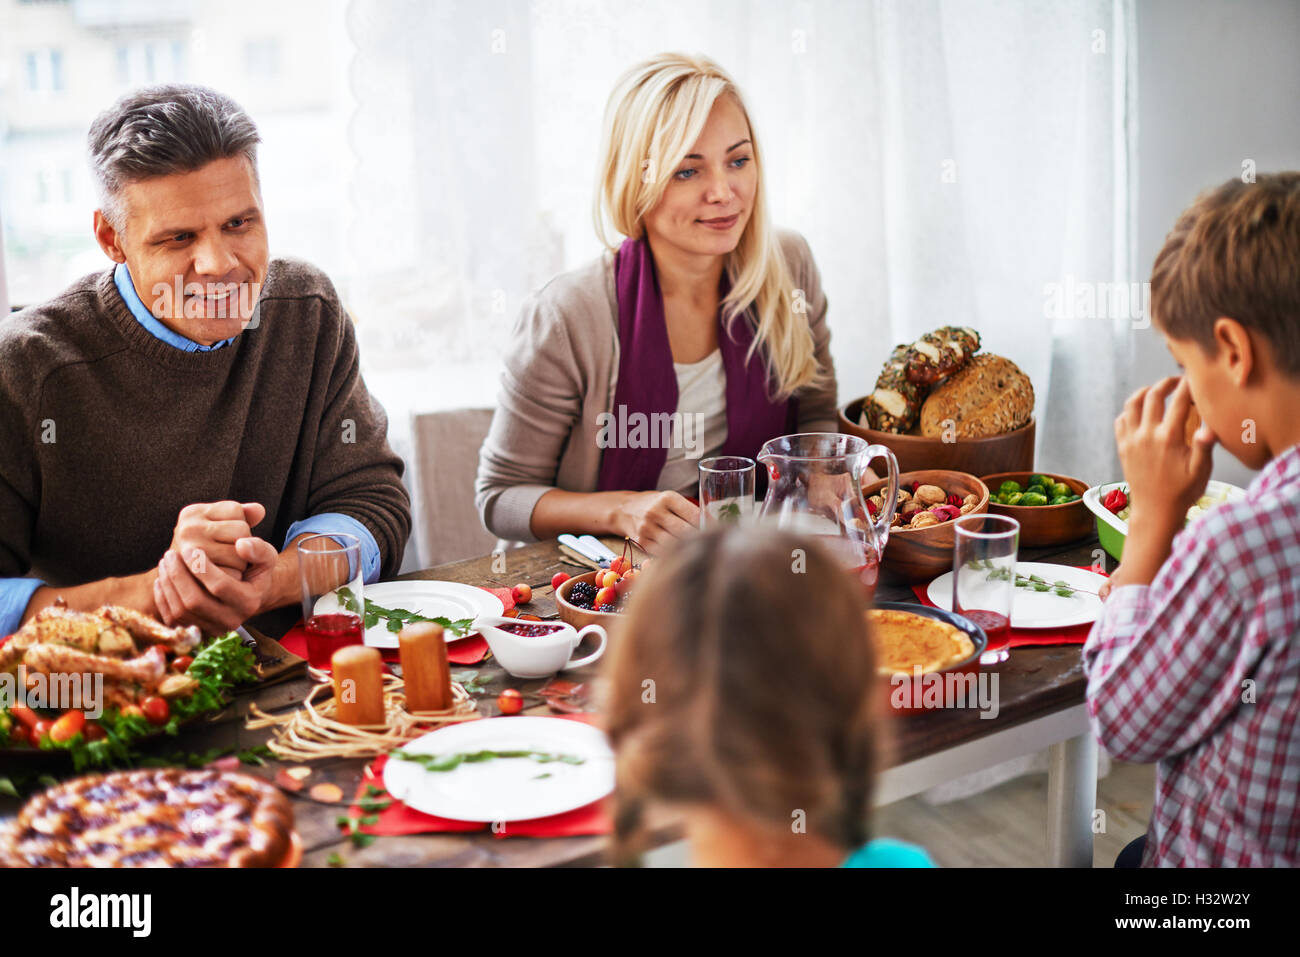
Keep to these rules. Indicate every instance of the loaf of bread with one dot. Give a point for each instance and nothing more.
(895, 402)
(940, 354)
(988, 397)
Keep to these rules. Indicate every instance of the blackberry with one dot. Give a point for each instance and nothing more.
(606, 607)
(584, 605)
(582, 592)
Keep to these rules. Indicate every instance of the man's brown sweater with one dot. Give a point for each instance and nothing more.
(106, 432)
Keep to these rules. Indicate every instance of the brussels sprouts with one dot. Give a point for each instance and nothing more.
(1058, 500)
(1012, 498)
(1042, 480)
(1008, 487)
(1033, 498)
(1060, 488)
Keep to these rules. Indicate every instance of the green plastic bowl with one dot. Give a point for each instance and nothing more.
(1112, 530)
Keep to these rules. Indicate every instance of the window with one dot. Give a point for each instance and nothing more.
(44, 70)
(145, 62)
(287, 66)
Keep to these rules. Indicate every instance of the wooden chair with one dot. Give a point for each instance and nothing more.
(446, 446)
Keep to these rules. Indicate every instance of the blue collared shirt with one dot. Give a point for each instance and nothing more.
(16, 593)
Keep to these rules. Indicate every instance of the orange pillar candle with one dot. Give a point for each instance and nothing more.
(425, 669)
(358, 685)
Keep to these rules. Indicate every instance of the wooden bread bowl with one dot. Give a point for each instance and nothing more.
(997, 453)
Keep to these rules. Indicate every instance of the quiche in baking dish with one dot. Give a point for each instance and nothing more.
(905, 641)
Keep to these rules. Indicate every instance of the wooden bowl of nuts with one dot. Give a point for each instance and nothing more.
(922, 536)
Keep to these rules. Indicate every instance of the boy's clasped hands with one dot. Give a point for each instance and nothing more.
(1166, 474)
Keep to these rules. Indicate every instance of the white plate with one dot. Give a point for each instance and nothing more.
(1035, 609)
(433, 599)
(505, 789)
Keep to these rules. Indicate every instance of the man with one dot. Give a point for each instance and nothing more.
(167, 425)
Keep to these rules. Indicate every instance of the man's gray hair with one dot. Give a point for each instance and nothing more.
(160, 130)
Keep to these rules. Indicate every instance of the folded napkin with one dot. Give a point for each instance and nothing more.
(1021, 637)
(466, 651)
(397, 818)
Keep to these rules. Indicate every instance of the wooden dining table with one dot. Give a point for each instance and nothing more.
(1041, 706)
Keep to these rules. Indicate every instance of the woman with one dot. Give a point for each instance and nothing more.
(742, 696)
(704, 332)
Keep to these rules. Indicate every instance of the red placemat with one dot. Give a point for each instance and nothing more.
(1021, 637)
(396, 818)
(467, 651)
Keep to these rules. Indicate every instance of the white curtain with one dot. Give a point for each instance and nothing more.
(947, 161)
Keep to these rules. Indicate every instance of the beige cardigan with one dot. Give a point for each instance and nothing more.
(560, 375)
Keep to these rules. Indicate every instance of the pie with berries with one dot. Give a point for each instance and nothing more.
(165, 817)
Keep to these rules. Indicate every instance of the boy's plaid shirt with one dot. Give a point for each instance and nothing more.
(1200, 672)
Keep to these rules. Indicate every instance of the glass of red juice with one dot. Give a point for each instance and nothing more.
(329, 570)
(984, 577)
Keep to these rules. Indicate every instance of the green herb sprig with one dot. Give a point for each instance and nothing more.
(1038, 583)
(471, 681)
(398, 618)
(352, 827)
(449, 762)
(729, 512)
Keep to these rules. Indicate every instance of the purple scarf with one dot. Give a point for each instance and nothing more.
(647, 382)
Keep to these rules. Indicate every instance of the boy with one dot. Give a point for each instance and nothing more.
(1195, 660)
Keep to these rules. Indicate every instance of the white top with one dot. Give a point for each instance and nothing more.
(699, 428)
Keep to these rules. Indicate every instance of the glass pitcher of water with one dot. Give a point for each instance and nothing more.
(815, 488)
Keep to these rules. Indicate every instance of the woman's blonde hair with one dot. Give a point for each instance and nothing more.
(654, 116)
(738, 684)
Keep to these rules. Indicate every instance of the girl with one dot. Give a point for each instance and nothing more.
(743, 696)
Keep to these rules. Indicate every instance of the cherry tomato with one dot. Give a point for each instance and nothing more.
(181, 663)
(25, 715)
(67, 726)
(156, 710)
(510, 701)
(558, 579)
(95, 731)
(18, 731)
(40, 730)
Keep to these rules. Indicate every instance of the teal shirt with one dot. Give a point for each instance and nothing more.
(886, 852)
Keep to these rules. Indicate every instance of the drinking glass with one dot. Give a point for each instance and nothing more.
(726, 489)
(984, 577)
(329, 570)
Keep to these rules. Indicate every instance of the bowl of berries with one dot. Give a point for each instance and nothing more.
(921, 535)
(598, 597)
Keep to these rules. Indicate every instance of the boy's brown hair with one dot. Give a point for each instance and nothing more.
(762, 702)
(1235, 252)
